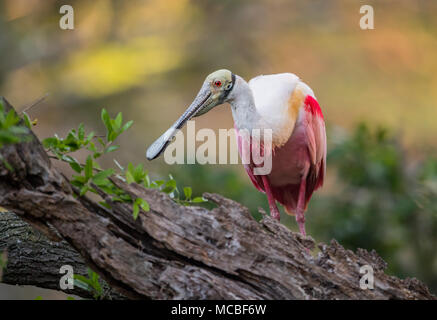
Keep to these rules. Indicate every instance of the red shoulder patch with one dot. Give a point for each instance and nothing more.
(311, 105)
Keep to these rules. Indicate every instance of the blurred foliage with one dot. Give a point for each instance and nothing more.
(383, 201)
(90, 284)
(10, 129)
(144, 56)
(94, 177)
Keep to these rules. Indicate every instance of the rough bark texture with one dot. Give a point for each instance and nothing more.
(177, 252)
(34, 260)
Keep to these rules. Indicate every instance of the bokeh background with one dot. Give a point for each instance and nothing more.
(377, 88)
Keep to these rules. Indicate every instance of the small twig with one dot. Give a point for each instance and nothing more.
(37, 101)
(56, 158)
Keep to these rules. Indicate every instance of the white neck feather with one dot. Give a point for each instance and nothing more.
(243, 105)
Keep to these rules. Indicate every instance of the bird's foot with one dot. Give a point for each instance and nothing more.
(300, 219)
(302, 229)
(274, 213)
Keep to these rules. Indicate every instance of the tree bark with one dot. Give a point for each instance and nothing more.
(34, 260)
(178, 252)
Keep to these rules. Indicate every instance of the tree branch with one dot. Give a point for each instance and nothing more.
(34, 260)
(177, 252)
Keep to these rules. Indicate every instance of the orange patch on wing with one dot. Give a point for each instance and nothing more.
(294, 104)
(296, 100)
(289, 211)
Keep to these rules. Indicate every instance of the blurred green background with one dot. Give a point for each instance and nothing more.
(377, 88)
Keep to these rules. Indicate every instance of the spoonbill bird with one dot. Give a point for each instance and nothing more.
(285, 105)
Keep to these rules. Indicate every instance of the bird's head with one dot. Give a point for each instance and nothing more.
(214, 91)
(218, 84)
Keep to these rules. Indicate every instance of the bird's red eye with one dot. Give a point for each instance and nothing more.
(218, 83)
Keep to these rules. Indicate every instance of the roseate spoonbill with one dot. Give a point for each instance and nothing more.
(287, 106)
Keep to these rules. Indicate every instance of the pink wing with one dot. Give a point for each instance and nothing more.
(256, 180)
(312, 131)
(316, 134)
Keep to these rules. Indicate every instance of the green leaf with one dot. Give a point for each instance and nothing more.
(98, 289)
(111, 148)
(199, 200)
(82, 285)
(136, 210)
(97, 155)
(143, 204)
(127, 125)
(130, 167)
(157, 183)
(27, 120)
(104, 204)
(81, 132)
(89, 137)
(81, 179)
(88, 168)
(51, 142)
(76, 167)
(92, 147)
(82, 282)
(112, 136)
(72, 162)
(18, 130)
(138, 172)
(91, 275)
(82, 279)
(90, 284)
(188, 193)
(118, 121)
(11, 119)
(129, 177)
(71, 140)
(84, 190)
(108, 188)
(130, 173)
(8, 137)
(100, 140)
(76, 183)
(106, 120)
(169, 187)
(147, 181)
(100, 178)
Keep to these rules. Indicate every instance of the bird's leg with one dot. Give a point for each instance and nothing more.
(274, 212)
(300, 210)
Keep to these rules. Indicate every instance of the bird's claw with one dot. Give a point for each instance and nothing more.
(275, 215)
